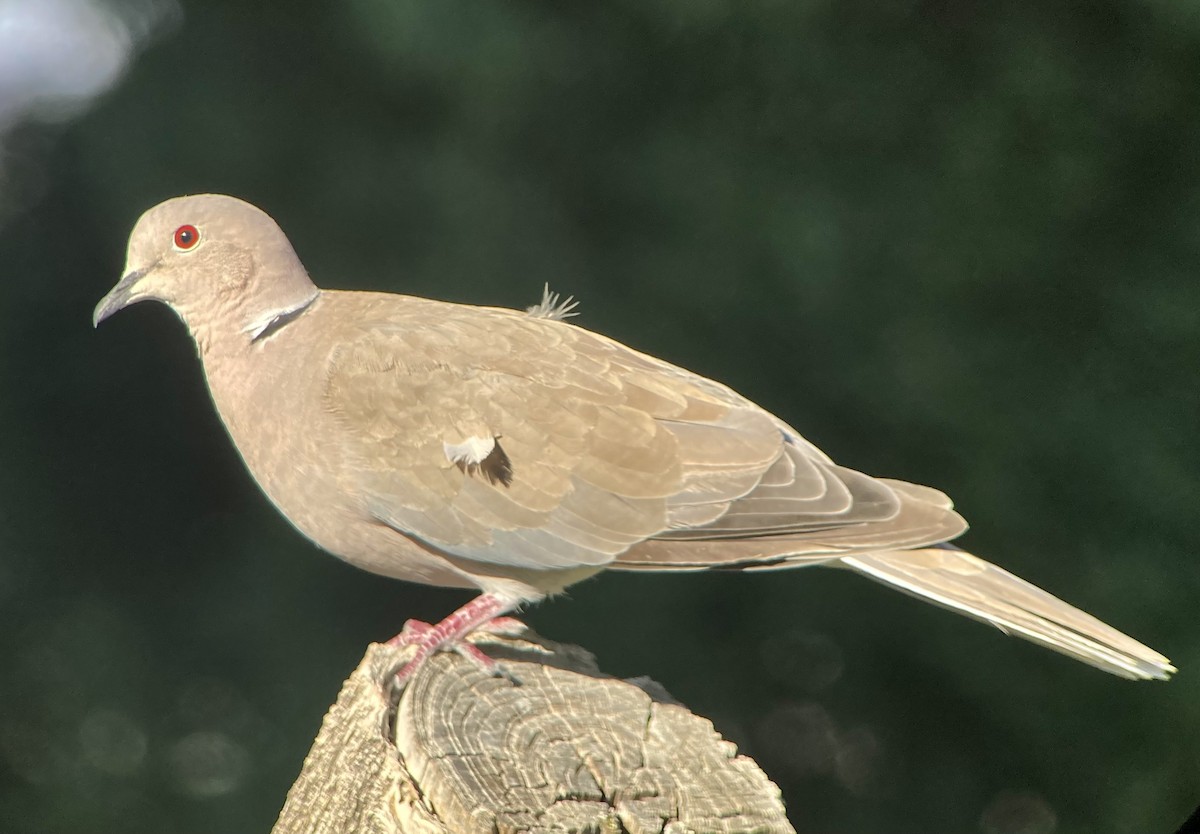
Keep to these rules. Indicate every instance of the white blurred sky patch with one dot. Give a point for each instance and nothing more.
(56, 56)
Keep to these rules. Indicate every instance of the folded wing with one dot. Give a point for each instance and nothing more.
(613, 457)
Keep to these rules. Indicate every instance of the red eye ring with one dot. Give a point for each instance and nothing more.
(186, 236)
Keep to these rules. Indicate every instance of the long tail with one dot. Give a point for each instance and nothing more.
(967, 584)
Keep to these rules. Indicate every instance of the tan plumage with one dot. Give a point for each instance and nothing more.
(517, 453)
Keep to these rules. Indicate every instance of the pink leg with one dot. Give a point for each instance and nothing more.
(411, 633)
(482, 612)
(414, 629)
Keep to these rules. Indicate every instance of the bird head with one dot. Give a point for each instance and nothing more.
(221, 264)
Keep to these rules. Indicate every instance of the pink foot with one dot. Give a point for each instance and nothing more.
(411, 633)
(482, 613)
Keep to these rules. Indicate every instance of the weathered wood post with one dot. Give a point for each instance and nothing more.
(559, 747)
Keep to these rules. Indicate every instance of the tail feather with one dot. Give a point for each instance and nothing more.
(965, 583)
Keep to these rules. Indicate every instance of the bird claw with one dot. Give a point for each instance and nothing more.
(428, 640)
(415, 630)
(464, 649)
(486, 664)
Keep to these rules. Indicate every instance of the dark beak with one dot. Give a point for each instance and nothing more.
(118, 297)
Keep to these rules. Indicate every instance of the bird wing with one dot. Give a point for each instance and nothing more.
(526, 442)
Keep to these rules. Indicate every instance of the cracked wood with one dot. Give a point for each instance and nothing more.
(566, 750)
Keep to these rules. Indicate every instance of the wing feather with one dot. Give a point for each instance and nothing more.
(965, 583)
(616, 457)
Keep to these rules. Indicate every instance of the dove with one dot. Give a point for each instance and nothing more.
(513, 452)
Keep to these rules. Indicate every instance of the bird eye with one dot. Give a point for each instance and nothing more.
(186, 237)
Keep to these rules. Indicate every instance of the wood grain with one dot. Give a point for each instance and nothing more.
(551, 746)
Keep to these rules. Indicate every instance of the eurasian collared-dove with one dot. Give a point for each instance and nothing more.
(517, 453)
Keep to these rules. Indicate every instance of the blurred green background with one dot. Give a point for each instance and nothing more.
(953, 242)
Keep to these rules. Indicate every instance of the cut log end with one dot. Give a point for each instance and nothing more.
(555, 746)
